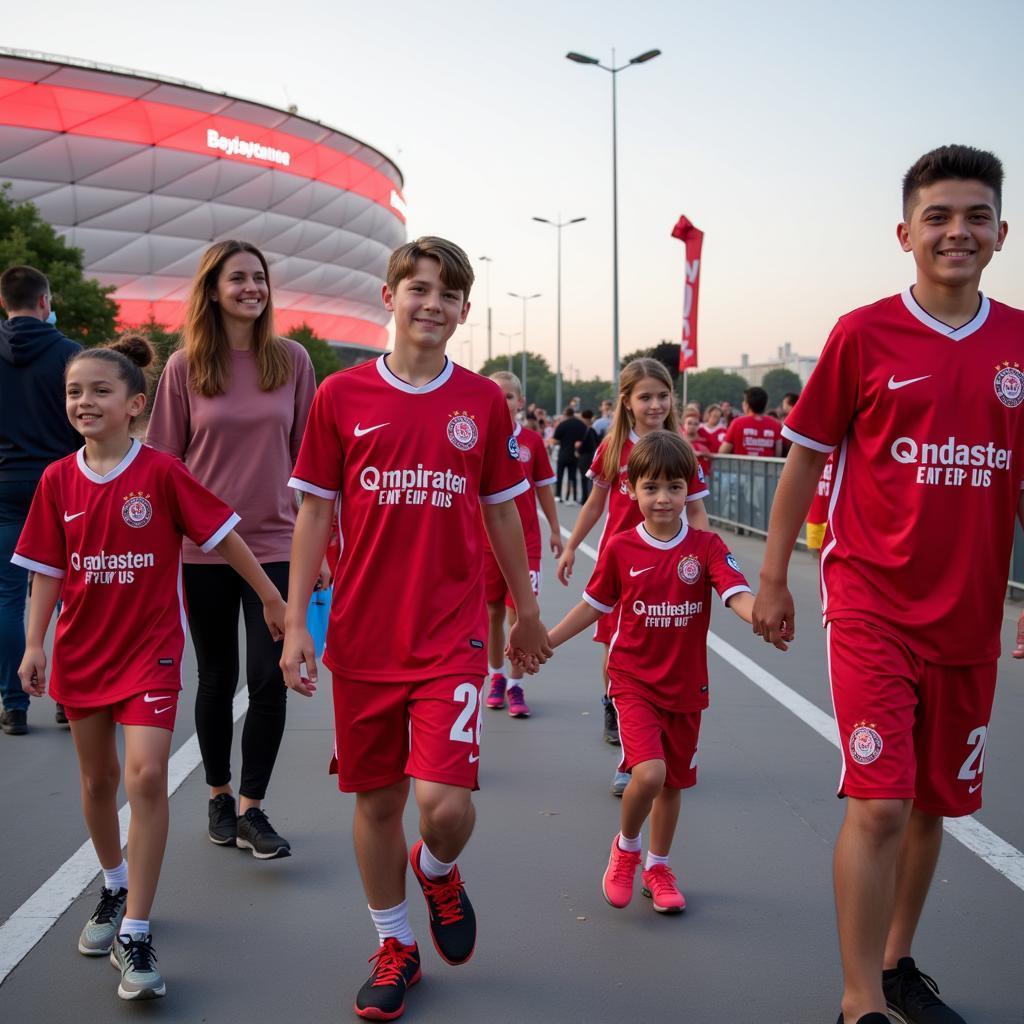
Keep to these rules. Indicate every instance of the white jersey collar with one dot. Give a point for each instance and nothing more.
(116, 471)
(400, 385)
(953, 333)
(663, 545)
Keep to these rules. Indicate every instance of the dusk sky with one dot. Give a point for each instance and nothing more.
(782, 130)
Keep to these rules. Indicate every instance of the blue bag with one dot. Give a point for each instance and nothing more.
(316, 617)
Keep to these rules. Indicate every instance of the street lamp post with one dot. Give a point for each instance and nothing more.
(580, 58)
(526, 299)
(488, 261)
(559, 224)
(508, 337)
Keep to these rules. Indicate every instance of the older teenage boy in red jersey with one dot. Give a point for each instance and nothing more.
(753, 433)
(921, 397)
(416, 447)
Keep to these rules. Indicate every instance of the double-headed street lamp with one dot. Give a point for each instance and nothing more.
(581, 58)
(488, 261)
(559, 224)
(526, 299)
(508, 337)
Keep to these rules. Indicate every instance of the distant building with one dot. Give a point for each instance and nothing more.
(754, 373)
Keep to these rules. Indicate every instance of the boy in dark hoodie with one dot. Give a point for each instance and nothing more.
(34, 431)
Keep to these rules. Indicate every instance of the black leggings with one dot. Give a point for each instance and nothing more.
(567, 467)
(213, 594)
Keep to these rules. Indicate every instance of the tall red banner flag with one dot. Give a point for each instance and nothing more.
(693, 238)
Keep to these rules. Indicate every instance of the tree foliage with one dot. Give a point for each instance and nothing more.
(714, 385)
(779, 382)
(324, 358)
(540, 382)
(85, 311)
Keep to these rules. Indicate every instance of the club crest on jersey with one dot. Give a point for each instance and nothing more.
(514, 450)
(730, 560)
(689, 569)
(1009, 384)
(136, 510)
(524, 452)
(865, 743)
(462, 431)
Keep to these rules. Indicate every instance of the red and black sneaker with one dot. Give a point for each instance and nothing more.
(452, 921)
(397, 969)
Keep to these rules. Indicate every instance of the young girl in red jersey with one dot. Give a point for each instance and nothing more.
(646, 402)
(104, 534)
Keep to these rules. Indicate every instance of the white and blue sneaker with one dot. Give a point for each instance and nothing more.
(97, 936)
(135, 958)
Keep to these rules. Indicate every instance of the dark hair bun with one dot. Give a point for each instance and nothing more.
(137, 347)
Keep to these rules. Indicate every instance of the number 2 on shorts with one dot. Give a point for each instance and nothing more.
(466, 693)
(975, 763)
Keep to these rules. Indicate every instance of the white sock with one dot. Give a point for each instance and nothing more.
(130, 927)
(116, 878)
(431, 866)
(654, 859)
(496, 671)
(393, 923)
(515, 680)
(629, 845)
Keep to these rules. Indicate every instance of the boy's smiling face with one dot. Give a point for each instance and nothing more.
(953, 231)
(426, 310)
(662, 501)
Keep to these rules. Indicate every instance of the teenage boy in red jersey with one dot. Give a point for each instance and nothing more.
(920, 395)
(539, 475)
(655, 581)
(416, 447)
(753, 433)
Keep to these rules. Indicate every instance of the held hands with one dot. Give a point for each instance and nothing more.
(528, 644)
(1018, 649)
(273, 615)
(298, 661)
(774, 617)
(556, 544)
(32, 671)
(565, 564)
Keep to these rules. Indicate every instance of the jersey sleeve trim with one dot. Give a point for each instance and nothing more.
(598, 482)
(506, 495)
(232, 521)
(698, 496)
(791, 435)
(40, 567)
(594, 603)
(733, 591)
(307, 488)
(554, 479)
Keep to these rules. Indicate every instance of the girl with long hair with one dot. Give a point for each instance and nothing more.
(646, 402)
(232, 405)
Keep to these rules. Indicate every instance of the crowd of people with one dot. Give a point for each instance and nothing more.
(425, 471)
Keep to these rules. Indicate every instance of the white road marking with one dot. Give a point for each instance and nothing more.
(40, 912)
(991, 848)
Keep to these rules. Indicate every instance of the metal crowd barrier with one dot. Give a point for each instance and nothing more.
(743, 488)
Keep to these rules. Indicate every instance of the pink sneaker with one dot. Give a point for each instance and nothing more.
(496, 694)
(660, 884)
(517, 706)
(617, 883)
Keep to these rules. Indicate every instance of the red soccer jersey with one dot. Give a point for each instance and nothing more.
(818, 512)
(623, 511)
(537, 467)
(702, 449)
(660, 594)
(928, 425)
(714, 436)
(115, 540)
(412, 466)
(754, 435)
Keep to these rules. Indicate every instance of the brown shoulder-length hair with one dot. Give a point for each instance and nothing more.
(207, 352)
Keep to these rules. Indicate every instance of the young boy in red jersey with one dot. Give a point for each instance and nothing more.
(920, 396)
(417, 448)
(537, 466)
(656, 581)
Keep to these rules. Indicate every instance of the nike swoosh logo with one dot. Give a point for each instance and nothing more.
(67, 518)
(637, 572)
(473, 758)
(152, 700)
(974, 788)
(160, 711)
(360, 431)
(895, 385)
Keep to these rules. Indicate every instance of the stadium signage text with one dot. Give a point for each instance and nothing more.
(233, 145)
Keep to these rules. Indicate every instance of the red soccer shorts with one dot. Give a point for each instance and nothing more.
(427, 729)
(649, 733)
(495, 587)
(908, 729)
(157, 708)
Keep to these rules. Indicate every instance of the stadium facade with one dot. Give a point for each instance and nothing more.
(143, 173)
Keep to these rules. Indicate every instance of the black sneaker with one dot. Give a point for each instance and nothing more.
(868, 1018)
(223, 820)
(14, 723)
(59, 716)
(452, 921)
(913, 998)
(397, 969)
(611, 722)
(257, 834)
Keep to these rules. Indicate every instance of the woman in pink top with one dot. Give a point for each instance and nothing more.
(232, 405)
